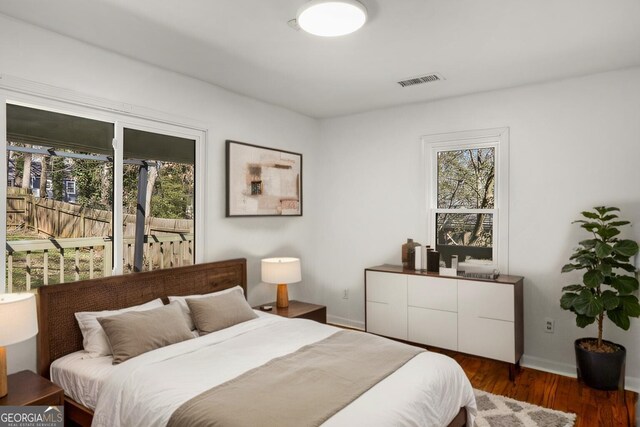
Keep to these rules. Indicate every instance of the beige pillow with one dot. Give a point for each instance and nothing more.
(133, 333)
(182, 302)
(94, 340)
(219, 312)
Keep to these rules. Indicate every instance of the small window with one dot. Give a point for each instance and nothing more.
(70, 187)
(467, 198)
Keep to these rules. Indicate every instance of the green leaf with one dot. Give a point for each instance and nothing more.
(573, 288)
(583, 321)
(603, 209)
(608, 217)
(587, 304)
(626, 248)
(630, 305)
(608, 232)
(576, 255)
(586, 260)
(625, 284)
(618, 223)
(603, 250)
(610, 300)
(618, 317)
(593, 278)
(589, 243)
(582, 252)
(625, 266)
(590, 227)
(567, 300)
(569, 267)
(590, 215)
(606, 269)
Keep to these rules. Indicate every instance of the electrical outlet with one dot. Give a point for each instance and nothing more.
(549, 325)
(345, 294)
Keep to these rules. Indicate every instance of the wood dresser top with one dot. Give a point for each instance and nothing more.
(389, 268)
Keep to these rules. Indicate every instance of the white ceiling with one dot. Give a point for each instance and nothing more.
(246, 45)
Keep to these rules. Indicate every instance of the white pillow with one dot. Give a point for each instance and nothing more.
(94, 340)
(182, 302)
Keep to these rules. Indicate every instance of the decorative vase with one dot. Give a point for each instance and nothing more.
(408, 254)
(423, 257)
(602, 371)
(433, 261)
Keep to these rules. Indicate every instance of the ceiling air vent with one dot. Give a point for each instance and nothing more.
(429, 78)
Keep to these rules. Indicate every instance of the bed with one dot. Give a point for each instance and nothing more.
(427, 388)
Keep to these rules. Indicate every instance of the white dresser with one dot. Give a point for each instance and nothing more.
(478, 317)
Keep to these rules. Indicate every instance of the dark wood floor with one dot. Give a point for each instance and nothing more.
(593, 407)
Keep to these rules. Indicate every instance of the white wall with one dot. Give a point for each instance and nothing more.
(575, 144)
(38, 55)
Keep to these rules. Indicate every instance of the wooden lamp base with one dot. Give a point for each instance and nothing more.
(3, 372)
(282, 300)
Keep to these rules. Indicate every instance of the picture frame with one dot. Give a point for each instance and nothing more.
(262, 181)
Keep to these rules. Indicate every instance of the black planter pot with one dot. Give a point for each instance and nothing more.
(603, 371)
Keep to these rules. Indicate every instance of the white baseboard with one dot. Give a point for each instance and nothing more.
(546, 365)
(342, 321)
(568, 370)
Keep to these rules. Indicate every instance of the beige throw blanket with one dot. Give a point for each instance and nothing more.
(304, 388)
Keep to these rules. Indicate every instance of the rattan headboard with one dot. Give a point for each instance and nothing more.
(59, 332)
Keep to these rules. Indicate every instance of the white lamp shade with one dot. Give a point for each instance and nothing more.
(281, 270)
(18, 318)
(331, 18)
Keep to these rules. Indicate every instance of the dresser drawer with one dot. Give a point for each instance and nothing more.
(388, 320)
(433, 292)
(433, 327)
(486, 300)
(387, 288)
(490, 338)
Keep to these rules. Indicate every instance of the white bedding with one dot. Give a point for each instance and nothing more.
(81, 377)
(428, 391)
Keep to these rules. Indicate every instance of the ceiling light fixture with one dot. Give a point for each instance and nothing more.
(331, 18)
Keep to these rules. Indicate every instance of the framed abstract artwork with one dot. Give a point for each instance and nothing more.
(263, 181)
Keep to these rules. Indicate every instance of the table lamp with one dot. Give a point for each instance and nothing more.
(281, 271)
(19, 322)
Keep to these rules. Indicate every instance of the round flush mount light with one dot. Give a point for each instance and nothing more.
(331, 18)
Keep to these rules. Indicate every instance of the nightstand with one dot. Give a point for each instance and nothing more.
(29, 389)
(300, 310)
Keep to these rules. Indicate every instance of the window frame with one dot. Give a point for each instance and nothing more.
(17, 91)
(498, 139)
(72, 189)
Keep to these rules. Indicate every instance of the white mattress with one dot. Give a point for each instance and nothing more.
(81, 377)
(145, 390)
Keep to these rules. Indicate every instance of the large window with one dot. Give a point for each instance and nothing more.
(158, 201)
(467, 197)
(53, 234)
(70, 178)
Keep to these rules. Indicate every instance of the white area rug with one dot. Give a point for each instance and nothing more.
(500, 411)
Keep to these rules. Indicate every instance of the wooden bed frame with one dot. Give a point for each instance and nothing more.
(59, 332)
(60, 335)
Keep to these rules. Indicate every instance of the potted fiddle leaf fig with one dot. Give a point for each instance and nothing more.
(608, 286)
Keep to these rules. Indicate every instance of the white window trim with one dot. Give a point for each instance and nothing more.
(497, 138)
(18, 91)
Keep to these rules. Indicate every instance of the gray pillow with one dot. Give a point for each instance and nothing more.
(218, 312)
(133, 333)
